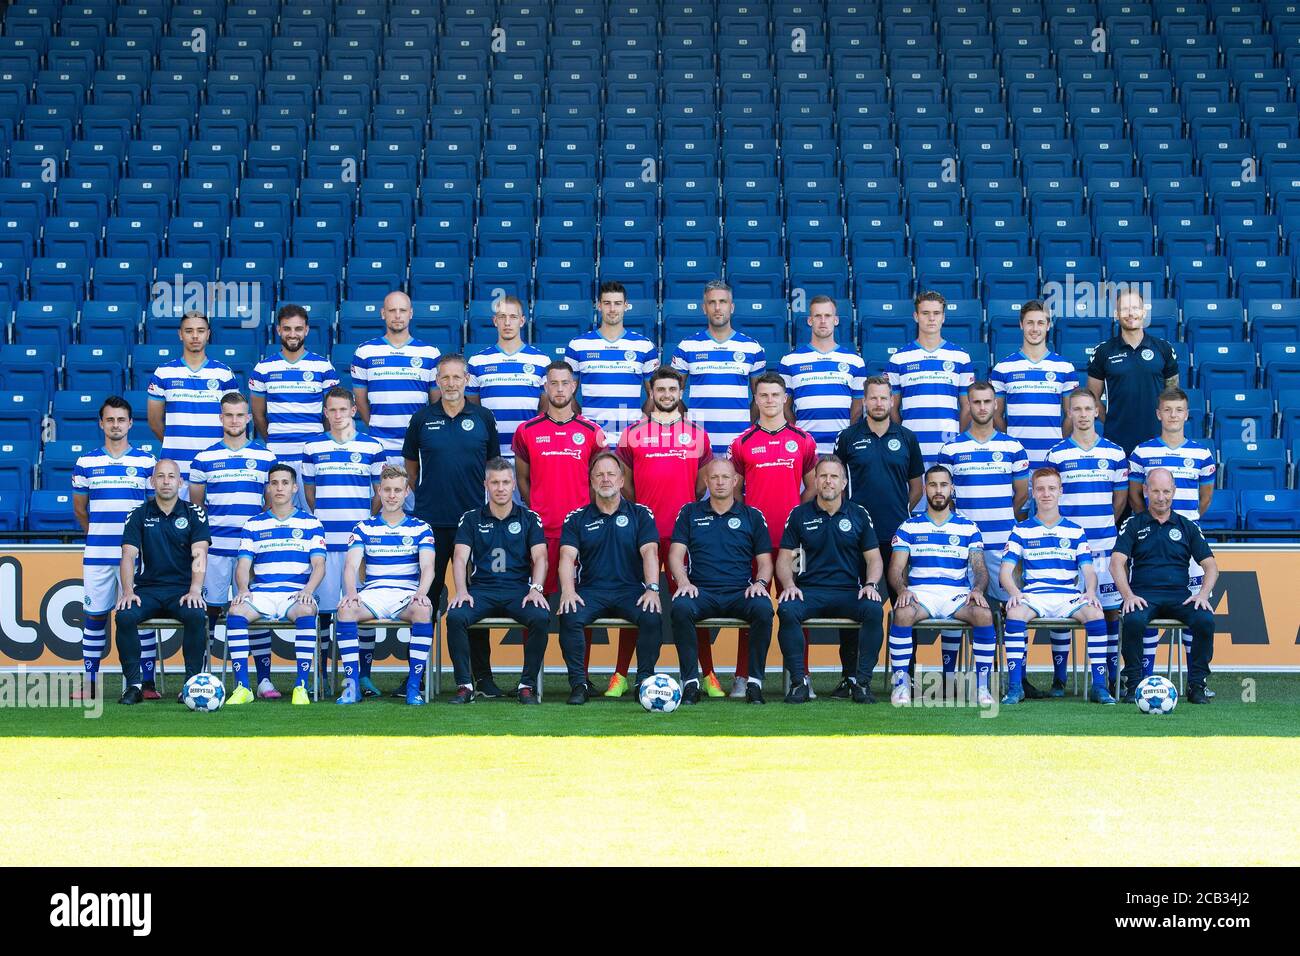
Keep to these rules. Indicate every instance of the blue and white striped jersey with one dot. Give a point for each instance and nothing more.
(717, 393)
(823, 386)
(509, 384)
(281, 549)
(113, 487)
(234, 487)
(1051, 557)
(192, 419)
(612, 377)
(930, 385)
(983, 474)
(1033, 393)
(397, 380)
(1089, 479)
(392, 552)
(295, 396)
(938, 554)
(1192, 464)
(344, 475)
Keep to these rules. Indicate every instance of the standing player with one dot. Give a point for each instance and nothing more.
(281, 563)
(1133, 368)
(397, 551)
(825, 379)
(1051, 553)
(185, 396)
(508, 550)
(393, 377)
(609, 566)
(990, 476)
(929, 379)
(938, 570)
(229, 481)
(288, 388)
(341, 469)
(613, 365)
(1031, 385)
(447, 448)
(507, 377)
(776, 461)
(1191, 462)
(1094, 494)
(107, 485)
(665, 454)
(719, 365)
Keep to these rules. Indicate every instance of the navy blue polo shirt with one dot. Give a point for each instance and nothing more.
(164, 542)
(500, 548)
(453, 453)
(1134, 378)
(879, 469)
(1159, 553)
(833, 545)
(721, 548)
(609, 546)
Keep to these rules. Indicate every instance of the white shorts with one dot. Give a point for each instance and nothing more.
(1053, 605)
(331, 585)
(993, 561)
(272, 605)
(1107, 593)
(939, 602)
(216, 582)
(100, 583)
(385, 603)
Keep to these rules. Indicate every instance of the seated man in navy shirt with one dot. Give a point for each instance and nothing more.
(504, 541)
(835, 539)
(609, 567)
(722, 538)
(1150, 567)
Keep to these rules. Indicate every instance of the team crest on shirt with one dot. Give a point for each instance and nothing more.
(953, 539)
(846, 525)
(213, 385)
(131, 471)
(1065, 544)
(843, 366)
(407, 541)
(1189, 463)
(895, 444)
(739, 356)
(683, 438)
(997, 456)
(630, 355)
(308, 377)
(250, 463)
(1147, 355)
(733, 523)
(356, 458)
(948, 366)
(579, 438)
(1050, 376)
(621, 521)
(529, 369)
(297, 532)
(514, 527)
(792, 445)
(467, 425)
(182, 524)
(416, 361)
(1175, 534)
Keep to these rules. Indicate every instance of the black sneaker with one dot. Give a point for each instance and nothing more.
(1112, 687)
(488, 688)
(862, 695)
(1197, 695)
(180, 697)
(1032, 692)
(798, 693)
(691, 693)
(579, 695)
(844, 690)
(463, 696)
(132, 695)
(1058, 689)
(400, 690)
(754, 693)
(527, 695)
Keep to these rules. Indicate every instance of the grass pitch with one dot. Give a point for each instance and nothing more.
(1050, 782)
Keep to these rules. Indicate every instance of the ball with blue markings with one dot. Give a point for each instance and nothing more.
(204, 693)
(1156, 695)
(660, 694)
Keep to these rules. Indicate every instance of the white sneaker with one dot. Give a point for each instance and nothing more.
(901, 696)
(812, 694)
(984, 697)
(738, 689)
(266, 690)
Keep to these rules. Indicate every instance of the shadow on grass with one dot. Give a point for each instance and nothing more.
(1271, 713)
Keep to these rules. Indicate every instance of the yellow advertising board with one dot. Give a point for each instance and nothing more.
(1257, 605)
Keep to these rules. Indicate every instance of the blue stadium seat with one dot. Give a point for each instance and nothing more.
(18, 467)
(1257, 464)
(76, 415)
(1274, 320)
(1270, 510)
(1224, 365)
(21, 415)
(1280, 365)
(51, 511)
(1242, 414)
(1222, 513)
(1213, 320)
(114, 323)
(44, 323)
(30, 368)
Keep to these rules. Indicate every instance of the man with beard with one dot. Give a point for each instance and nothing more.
(609, 567)
(937, 570)
(288, 389)
(665, 455)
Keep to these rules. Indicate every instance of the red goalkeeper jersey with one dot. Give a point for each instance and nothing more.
(773, 465)
(665, 460)
(557, 454)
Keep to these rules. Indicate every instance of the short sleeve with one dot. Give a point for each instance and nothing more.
(649, 360)
(411, 440)
(858, 380)
(976, 540)
(736, 452)
(680, 362)
(424, 540)
(1013, 549)
(80, 480)
(329, 378)
(465, 530)
(902, 539)
(378, 460)
(472, 381)
(519, 446)
(306, 468)
(624, 449)
(998, 379)
(199, 527)
(571, 358)
(867, 539)
(1068, 380)
(1082, 552)
(647, 532)
(601, 441)
(757, 362)
(1127, 535)
(682, 526)
(536, 535)
(1200, 548)
(966, 377)
(157, 389)
(809, 455)
(131, 533)
(360, 369)
(891, 372)
(247, 546)
(492, 440)
(1097, 364)
(569, 530)
(1208, 470)
(198, 471)
(760, 538)
(257, 380)
(1137, 470)
(1121, 473)
(1171, 361)
(945, 456)
(916, 461)
(357, 537)
(786, 369)
(317, 540)
(1019, 463)
(841, 449)
(790, 537)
